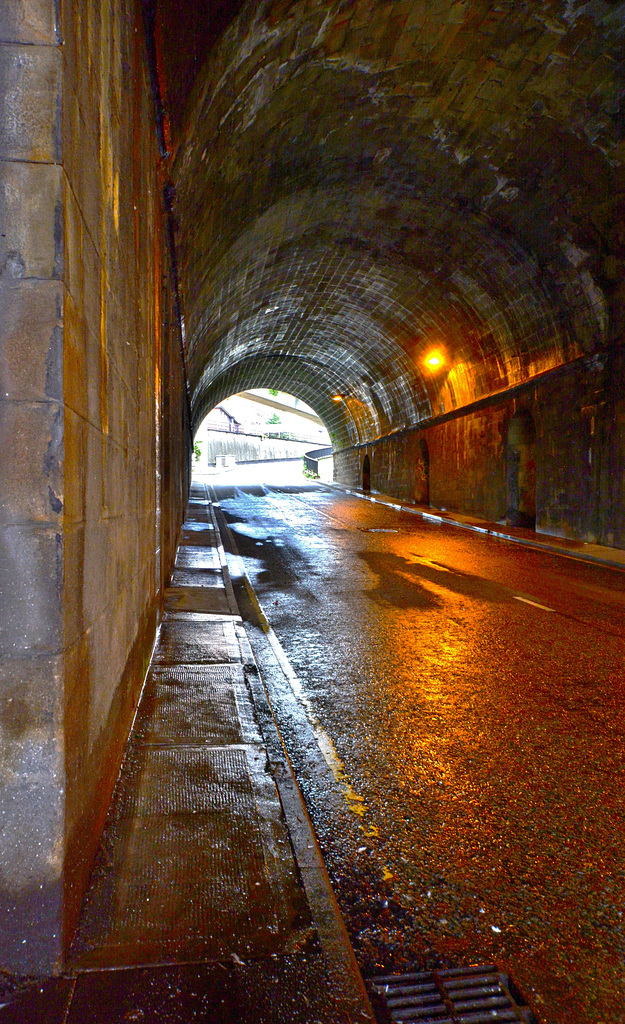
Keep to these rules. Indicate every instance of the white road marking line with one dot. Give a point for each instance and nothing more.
(534, 604)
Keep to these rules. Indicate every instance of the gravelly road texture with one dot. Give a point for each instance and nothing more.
(481, 736)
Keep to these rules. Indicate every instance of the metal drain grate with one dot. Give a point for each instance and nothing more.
(470, 995)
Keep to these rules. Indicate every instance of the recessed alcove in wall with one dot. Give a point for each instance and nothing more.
(521, 470)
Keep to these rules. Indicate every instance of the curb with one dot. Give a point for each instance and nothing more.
(448, 520)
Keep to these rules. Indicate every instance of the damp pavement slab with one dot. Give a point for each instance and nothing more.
(208, 900)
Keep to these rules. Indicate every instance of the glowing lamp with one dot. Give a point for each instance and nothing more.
(434, 360)
(337, 398)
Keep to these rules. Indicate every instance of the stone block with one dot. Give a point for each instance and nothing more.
(94, 471)
(32, 915)
(121, 357)
(28, 21)
(75, 584)
(96, 38)
(95, 344)
(104, 565)
(32, 773)
(31, 698)
(31, 244)
(74, 359)
(31, 582)
(81, 161)
(109, 648)
(31, 821)
(78, 666)
(31, 812)
(73, 245)
(116, 479)
(76, 431)
(71, 131)
(31, 316)
(31, 97)
(31, 462)
(92, 281)
(406, 46)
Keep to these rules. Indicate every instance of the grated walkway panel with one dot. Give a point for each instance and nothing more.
(190, 703)
(191, 638)
(197, 578)
(202, 536)
(182, 867)
(191, 556)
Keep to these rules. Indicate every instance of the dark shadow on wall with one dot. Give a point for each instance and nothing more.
(521, 471)
(422, 474)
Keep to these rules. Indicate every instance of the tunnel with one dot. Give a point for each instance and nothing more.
(409, 215)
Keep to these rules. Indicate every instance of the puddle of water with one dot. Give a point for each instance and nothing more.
(256, 532)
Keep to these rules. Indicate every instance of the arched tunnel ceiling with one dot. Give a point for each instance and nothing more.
(358, 183)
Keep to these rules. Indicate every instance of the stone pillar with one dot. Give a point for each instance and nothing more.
(31, 489)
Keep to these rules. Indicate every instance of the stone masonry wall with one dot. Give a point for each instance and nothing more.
(91, 407)
(579, 418)
(32, 770)
(112, 245)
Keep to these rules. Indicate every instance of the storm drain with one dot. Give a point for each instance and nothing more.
(471, 995)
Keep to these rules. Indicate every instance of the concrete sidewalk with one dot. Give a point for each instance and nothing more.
(581, 550)
(209, 900)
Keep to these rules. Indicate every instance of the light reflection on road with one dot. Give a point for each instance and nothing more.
(482, 729)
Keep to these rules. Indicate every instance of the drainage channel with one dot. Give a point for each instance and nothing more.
(471, 995)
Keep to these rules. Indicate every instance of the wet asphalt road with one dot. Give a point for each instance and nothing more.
(481, 736)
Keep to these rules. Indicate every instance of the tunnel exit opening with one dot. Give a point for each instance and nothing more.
(521, 471)
(259, 426)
